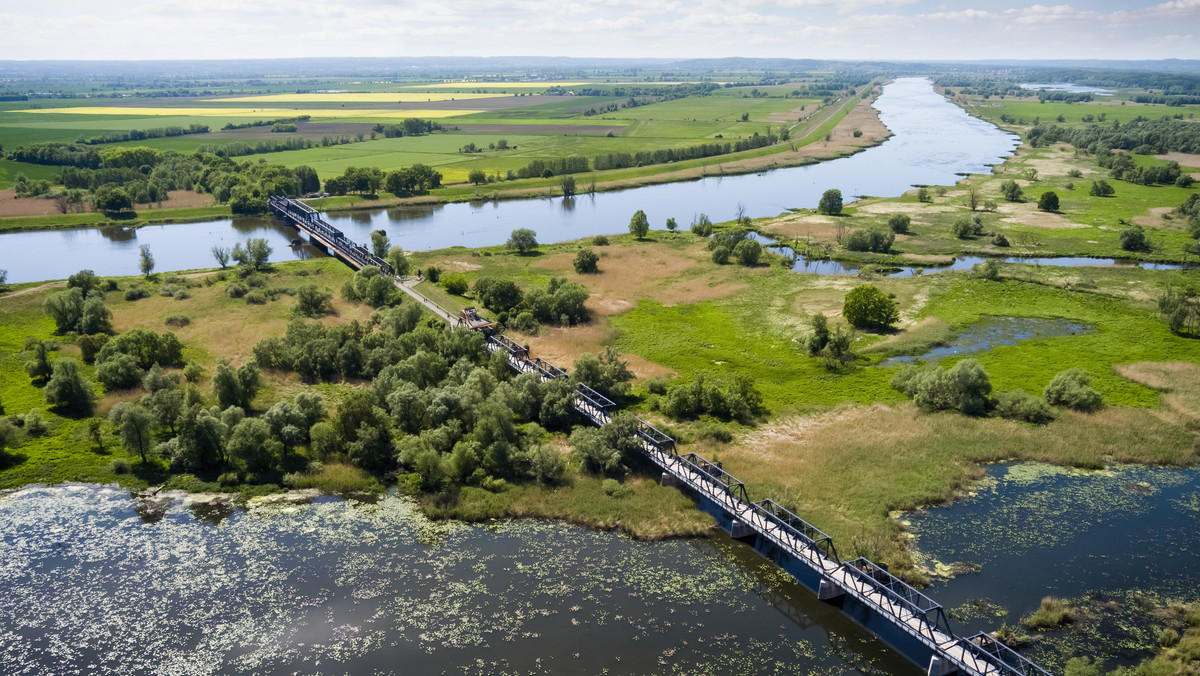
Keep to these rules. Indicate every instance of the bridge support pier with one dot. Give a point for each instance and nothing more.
(740, 530)
(830, 591)
(940, 667)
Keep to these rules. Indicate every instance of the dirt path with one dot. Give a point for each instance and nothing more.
(22, 292)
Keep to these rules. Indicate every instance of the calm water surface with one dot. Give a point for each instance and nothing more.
(933, 142)
(1036, 530)
(91, 582)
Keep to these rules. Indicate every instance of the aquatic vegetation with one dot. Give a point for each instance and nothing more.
(297, 581)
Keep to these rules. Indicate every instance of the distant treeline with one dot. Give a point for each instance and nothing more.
(1139, 135)
(664, 155)
(143, 134)
(266, 123)
(409, 127)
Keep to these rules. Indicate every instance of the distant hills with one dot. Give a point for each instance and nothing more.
(457, 66)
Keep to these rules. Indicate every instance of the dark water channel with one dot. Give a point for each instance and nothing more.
(91, 583)
(1034, 530)
(933, 142)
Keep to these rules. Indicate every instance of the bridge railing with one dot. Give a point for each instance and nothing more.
(1005, 660)
(774, 513)
(720, 480)
(549, 371)
(508, 344)
(899, 599)
(657, 439)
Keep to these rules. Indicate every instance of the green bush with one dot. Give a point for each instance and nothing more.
(867, 306)
(1134, 238)
(1048, 201)
(586, 261)
(877, 241)
(989, 269)
(899, 223)
(964, 387)
(120, 466)
(1072, 389)
(455, 284)
(256, 297)
(1018, 405)
(236, 290)
(136, 293)
(720, 255)
(615, 489)
(600, 240)
(177, 320)
(747, 252)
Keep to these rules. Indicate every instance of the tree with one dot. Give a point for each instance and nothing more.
(68, 389)
(380, 243)
(586, 261)
(65, 308)
(523, 240)
(39, 367)
(135, 425)
(84, 280)
(639, 225)
(972, 196)
(254, 254)
(923, 195)
(1011, 190)
(251, 445)
(309, 181)
(1134, 238)
(312, 301)
(867, 306)
(1101, 188)
(399, 262)
(820, 335)
(111, 200)
(567, 183)
(221, 254)
(145, 260)
(831, 202)
(702, 225)
(477, 176)
(671, 225)
(1048, 201)
(899, 223)
(236, 387)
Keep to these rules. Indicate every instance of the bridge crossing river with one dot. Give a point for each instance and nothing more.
(912, 623)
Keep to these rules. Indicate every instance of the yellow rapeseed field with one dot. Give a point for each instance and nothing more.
(259, 113)
(359, 97)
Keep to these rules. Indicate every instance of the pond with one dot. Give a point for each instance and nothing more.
(933, 143)
(92, 581)
(992, 331)
(1033, 530)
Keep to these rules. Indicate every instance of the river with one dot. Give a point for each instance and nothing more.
(933, 142)
(92, 581)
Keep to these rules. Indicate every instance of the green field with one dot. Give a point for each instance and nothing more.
(649, 125)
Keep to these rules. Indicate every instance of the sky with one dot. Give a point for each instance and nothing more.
(820, 29)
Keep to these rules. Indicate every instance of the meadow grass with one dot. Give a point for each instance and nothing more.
(338, 479)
